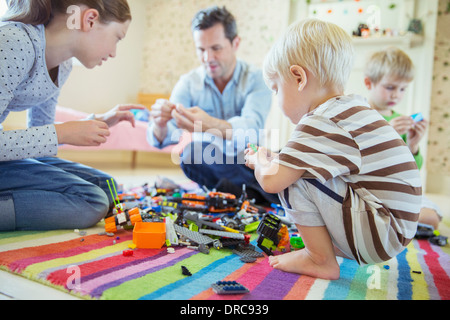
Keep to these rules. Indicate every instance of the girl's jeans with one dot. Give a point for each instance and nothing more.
(51, 193)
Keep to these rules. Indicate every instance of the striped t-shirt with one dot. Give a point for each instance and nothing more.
(344, 138)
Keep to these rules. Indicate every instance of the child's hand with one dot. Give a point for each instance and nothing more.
(261, 157)
(89, 133)
(118, 114)
(402, 124)
(415, 135)
(250, 156)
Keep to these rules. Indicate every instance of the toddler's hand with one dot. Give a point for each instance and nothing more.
(250, 156)
(262, 159)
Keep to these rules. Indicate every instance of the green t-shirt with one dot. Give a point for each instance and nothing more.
(418, 157)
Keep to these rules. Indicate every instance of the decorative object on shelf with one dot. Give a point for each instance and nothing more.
(415, 26)
(362, 31)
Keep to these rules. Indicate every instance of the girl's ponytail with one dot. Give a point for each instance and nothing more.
(29, 11)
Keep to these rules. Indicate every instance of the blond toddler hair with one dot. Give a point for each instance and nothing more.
(391, 62)
(323, 48)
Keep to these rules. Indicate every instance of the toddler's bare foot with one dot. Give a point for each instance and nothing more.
(303, 262)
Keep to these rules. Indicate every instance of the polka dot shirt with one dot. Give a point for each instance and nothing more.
(26, 85)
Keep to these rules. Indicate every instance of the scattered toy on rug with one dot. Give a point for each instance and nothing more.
(185, 271)
(425, 231)
(198, 219)
(273, 234)
(229, 287)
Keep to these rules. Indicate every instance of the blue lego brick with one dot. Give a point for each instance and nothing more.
(229, 287)
(417, 117)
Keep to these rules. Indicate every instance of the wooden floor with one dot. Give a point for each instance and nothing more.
(14, 287)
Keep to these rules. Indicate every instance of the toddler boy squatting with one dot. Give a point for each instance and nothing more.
(345, 178)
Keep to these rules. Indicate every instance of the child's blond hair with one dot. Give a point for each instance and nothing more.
(323, 48)
(391, 62)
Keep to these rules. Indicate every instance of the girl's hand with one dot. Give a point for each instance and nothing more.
(88, 133)
(119, 113)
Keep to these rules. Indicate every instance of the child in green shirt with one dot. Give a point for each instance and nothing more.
(387, 76)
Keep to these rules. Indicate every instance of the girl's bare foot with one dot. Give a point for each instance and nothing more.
(303, 262)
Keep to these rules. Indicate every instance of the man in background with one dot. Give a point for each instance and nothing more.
(224, 103)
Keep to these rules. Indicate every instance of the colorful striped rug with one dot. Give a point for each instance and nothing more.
(93, 267)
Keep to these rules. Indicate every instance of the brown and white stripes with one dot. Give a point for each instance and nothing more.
(346, 139)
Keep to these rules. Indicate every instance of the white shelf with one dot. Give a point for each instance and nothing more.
(409, 40)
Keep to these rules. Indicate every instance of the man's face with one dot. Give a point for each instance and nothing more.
(216, 52)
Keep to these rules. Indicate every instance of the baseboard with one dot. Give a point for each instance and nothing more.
(119, 159)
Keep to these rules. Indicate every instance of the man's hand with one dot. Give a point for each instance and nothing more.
(191, 119)
(186, 118)
(161, 112)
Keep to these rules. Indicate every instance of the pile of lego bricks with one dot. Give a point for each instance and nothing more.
(199, 220)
